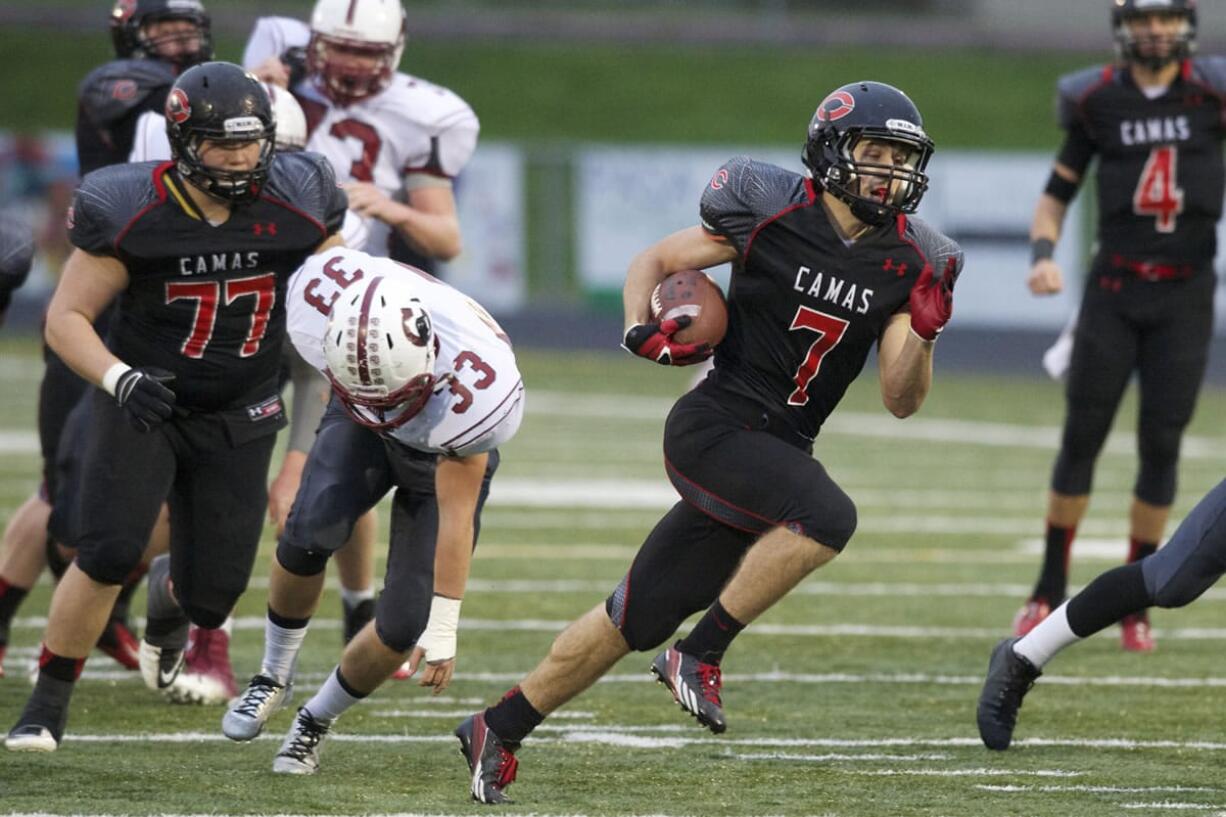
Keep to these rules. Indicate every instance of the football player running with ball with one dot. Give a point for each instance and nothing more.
(824, 267)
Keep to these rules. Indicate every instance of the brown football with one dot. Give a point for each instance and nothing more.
(692, 292)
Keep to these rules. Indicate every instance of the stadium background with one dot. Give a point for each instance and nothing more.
(853, 697)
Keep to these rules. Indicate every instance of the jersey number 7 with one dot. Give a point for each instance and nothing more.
(208, 295)
(830, 331)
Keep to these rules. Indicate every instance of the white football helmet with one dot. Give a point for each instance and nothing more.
(291, 121)
(355, 47)
(379, 347)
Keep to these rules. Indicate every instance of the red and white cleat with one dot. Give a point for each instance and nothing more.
(1135, 634)
(1033, 611)
(402, 673)
(207, 677)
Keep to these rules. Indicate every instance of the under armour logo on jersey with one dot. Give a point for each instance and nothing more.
(269, 228)
(889, 266)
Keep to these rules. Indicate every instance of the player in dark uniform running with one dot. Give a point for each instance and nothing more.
(1155, 122)
(16, 256)
(1188, 565)
(824, 267)
(154, 40)
(199, 250)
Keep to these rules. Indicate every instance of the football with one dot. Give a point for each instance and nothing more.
(692, 292)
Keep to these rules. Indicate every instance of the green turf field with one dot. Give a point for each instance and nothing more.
(855, 696)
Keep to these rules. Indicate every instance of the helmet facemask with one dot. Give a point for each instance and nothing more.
(380, 348)
(346, 84)
(896, 187)
(1155, 52)
(236, 186)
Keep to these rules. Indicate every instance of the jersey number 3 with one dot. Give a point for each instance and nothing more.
(1156, 194)
(829, 332)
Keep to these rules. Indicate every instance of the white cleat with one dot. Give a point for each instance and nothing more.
(159, 666)
(300, 752)
(248, 713)
(31, 738)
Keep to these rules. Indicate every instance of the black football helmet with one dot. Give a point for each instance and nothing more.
(868, 110)
(1129, 48)
(220, 102)
(128, 18)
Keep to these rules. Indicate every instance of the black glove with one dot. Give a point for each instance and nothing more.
(295, 60)
(146, 399)
(654, 341)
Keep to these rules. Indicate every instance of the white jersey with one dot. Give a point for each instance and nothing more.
(152, 145)
(412, 127)
(479, 402)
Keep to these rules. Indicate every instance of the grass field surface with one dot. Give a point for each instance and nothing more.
(854, 696)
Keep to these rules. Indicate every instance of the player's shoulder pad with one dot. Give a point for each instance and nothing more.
(936, 248)
(16, 253)
(421, 103)
(111, 91)
(106, 202)
(306, 181)
(1073, 88)
(1210, 71)
(745, 186)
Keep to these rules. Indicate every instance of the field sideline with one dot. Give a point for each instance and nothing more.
(855, 696)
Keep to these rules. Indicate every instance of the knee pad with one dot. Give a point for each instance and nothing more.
(401, 634)
(838, 517)
(1158, 446)
(204, 617)
(299, 561)
(109, 563)
(643, 629)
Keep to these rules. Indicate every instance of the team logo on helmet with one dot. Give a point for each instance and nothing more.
(124, 9)
(416, 325)
(836, 106)
(178, 107)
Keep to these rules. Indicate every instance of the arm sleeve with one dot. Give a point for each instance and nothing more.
(1078, 149)
(310, 393)
(271, 37)
(150, 143)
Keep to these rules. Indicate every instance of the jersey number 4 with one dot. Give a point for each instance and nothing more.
(211, 295)
(829, 332)
(1156, 194)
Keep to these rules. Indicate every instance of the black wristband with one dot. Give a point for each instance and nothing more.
(1041, 249)
(1060, 188)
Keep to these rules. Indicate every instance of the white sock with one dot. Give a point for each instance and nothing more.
(1050, 636)
(331, 700)
(281, 646)
(352, 598)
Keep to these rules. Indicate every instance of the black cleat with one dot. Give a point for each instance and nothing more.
(356, 617)
(492, 762)
(695, 686)
(1010, 677)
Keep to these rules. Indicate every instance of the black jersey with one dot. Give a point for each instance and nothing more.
(804, 308)
(205, 302)
(1160, 171)
(110, 100)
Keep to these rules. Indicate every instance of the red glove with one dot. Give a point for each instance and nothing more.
(654, 341)
(932, 302)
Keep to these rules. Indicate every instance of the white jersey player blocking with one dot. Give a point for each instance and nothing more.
(478, 403)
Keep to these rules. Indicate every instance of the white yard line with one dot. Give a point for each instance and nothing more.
(1012, 789)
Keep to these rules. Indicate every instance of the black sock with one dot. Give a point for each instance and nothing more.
(1107, 599)
(285, 622)
(513, 718)
(169, 633)
(10, 599)
(1138, 550)
(1053, 576)
(59, 667)
(711, 635)
(48, 704)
